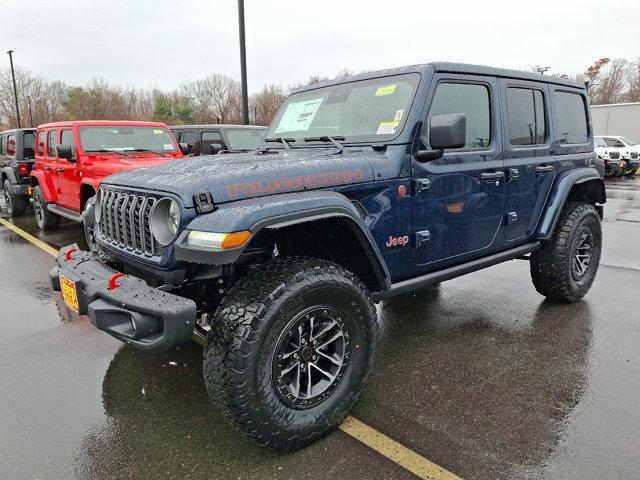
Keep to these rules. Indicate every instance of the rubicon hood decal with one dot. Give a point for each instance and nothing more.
(237, 176)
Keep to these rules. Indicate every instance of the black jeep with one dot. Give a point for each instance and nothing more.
(363, 188)
(16, 161)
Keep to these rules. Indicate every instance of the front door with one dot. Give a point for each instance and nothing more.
(458, 198)
(530, 168)
(68, 176)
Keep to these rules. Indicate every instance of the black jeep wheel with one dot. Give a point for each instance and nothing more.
(290, 350)
(15, 204)
(45, 219)
(566, 265)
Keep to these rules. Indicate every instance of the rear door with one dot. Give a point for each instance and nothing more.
(458, 198)
(530, 168)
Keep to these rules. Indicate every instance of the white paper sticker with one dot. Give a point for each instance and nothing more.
(398, 116)
(168, 146)
(387, 128)
(299, 115)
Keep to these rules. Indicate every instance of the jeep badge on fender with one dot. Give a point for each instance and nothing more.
(276, 270)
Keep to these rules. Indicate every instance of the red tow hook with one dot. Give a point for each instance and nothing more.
(112, 280)
(67, 255)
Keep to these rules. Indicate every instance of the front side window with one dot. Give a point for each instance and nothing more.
(571, 118)
(473, 101)
(244, 139)
(116, 138)
(190, 138)
(40, 144)
(52, 141)
(526, 116)
(28, 142)
(372, 110)
(211, 143)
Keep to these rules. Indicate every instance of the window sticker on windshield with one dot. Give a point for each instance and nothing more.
(299, 115)
(168, 146)
(386, 128)
(157, 132)
(386, 90)
(398, 116)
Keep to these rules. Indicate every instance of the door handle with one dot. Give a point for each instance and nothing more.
(490, 176)
(47, 168)
(544, 168)
(59, 170)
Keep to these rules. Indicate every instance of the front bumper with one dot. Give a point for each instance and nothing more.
(131, 311)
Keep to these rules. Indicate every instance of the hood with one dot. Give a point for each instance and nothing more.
(232, 177)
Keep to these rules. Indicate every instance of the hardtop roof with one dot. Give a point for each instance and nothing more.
(218, 125)
(102, 123)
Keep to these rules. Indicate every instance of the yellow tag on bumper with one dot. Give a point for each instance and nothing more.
(69, 294)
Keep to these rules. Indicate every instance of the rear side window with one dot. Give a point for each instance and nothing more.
(11, 145)
(52, 141)
(40, 145)
(190, 138)
(473, 101)
(66, 138)
(28, 141)
(571, 118)
(526, 116)
(2, 145)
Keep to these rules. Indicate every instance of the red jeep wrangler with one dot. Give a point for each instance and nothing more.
(72, 158)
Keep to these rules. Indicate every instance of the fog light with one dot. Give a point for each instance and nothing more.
(217, 241)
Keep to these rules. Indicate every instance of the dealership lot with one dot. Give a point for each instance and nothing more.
(480, 376)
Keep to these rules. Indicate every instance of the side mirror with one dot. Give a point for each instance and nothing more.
(66, 152)
(444, 132)
(185, 149)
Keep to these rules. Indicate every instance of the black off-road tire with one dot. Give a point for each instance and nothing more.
(45, 219)
(551, 266)
(247, 329)
(15, 204)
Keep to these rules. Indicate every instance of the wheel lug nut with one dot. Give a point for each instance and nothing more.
(314, 358)
(296, 356)
(303, 366)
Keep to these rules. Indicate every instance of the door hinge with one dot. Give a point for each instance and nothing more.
(421, 185)
(512, 217)
(513, 175)
(422, 238)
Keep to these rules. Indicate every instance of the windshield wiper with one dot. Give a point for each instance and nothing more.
(147, 150)
(106, 150)
(327, 138)
(285, 141)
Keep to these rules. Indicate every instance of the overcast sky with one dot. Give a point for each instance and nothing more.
(161, 43)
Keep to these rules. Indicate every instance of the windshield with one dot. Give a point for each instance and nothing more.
(628, 141)
(126, 138)
(371, 110)
(28, 142)
(599, 142)
(244, 139)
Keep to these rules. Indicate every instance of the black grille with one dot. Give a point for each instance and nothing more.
(614, 155)
(634, 155)
(125, 221)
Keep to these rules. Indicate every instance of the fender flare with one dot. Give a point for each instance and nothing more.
(42, 182)
(10, 175)
(275, 212)
(560, 193)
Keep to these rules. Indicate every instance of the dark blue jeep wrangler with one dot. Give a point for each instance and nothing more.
(363, 188)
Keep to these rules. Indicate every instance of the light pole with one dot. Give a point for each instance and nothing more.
(243, 65)
(15, 89)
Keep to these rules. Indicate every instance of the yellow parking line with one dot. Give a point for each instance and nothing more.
(387, 447)
(38, 243)
(394, 451)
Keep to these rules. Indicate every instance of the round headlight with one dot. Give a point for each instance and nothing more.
(165, 221)
(173, 218)
(97, 210)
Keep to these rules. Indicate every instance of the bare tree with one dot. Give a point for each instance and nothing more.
(633, 79)
(215, 98)
(265, 104)
(606, 79)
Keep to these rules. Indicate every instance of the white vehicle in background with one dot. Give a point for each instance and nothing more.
(614, 165)
(629, 150)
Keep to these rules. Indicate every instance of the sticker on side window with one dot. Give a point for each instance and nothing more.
(398, 116)
(387, 128)
(386, 90)
(299, 115)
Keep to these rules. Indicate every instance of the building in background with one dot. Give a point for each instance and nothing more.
(621, 119)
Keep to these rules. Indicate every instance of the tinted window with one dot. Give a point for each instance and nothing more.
(571, 118)
(190, 138)
(211, 143)
(10, 148)
(52, 141)
(525, 112)
(40, 149)
(614, 142)
(28, 141)
(248, 139)
(473, 101)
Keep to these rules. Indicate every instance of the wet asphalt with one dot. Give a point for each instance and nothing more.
(480, 375)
